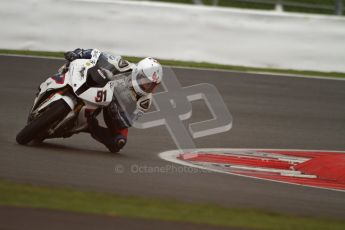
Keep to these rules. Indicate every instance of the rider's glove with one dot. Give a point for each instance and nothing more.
(72, 55)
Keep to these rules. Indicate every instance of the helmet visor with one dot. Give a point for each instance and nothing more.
(145, 84)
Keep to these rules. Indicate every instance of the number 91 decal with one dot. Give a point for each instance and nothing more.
(101, 96)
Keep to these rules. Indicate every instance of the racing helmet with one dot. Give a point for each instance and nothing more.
(146, 76)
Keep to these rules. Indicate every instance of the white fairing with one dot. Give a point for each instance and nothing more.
(69, 101)
(76, 77)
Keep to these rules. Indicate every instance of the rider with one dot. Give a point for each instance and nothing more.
(139, 82)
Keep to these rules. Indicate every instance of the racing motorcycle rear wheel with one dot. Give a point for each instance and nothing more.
(38, 126)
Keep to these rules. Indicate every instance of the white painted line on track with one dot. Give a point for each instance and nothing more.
(262, 73)
(207, 69)
(31, 56)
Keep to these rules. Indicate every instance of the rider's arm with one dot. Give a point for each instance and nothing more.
(143, 105)
(78, 54)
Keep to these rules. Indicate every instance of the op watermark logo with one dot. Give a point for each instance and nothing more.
(174, 106)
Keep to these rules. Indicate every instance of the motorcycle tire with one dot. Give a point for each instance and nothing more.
(33, 130)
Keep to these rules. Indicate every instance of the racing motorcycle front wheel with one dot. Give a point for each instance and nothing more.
(43, 122)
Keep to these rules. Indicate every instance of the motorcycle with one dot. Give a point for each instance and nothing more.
(65, 101)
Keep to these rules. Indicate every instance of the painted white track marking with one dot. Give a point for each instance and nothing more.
(207, 69)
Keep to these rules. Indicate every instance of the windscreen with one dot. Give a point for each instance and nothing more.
(107, 68)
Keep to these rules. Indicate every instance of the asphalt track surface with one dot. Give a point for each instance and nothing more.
(268, 112)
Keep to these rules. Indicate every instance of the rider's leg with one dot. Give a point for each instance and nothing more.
(114, 141)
